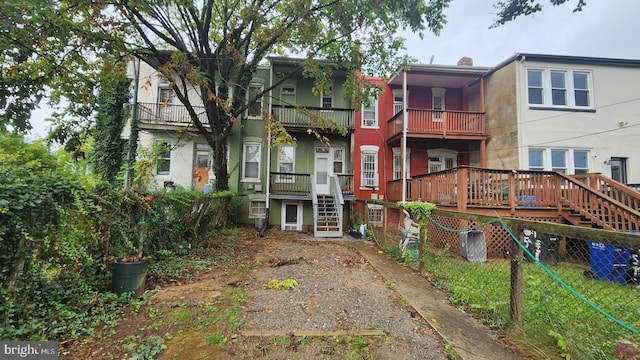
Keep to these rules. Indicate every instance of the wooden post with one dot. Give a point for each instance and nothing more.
(517, 287)
(462, 188)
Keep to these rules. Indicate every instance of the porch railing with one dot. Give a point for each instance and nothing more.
(439, 122)
(315, 117)
(346, 183)
(464, 186)
(160, 113)
(618, 191)
(290, 183)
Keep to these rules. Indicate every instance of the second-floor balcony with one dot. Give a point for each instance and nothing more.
(167, 114)
(314, 117)
(440, 124)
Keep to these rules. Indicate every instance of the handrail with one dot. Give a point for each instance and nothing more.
(598, 207)
(314, 204)
(468, 186)
(337, 189)
(346, 183)
(290, 183)
(614, 189)
(438, 122)
(174, 114)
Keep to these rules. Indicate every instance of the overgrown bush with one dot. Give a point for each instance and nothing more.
(57, 235)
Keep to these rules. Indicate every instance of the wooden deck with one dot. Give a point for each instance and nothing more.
(449, 124)
(585, 200)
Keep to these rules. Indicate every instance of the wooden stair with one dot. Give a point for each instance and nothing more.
(328, 222)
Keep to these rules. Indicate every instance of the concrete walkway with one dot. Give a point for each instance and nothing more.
(470, 339)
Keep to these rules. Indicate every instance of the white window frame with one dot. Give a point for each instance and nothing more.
(370, 122)
(569, 90)
(281, 151)
(569, 158)
(375, 213)
(369, 182)
(398, 105)
(257, 208)
(328, 95)
(543, 156)
(245, 151)
(164, 156)
(335, 152)
(397, 171)
(260, 87)
(440, 157)
(438, 112)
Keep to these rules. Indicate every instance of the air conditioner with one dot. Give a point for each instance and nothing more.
(369, 122)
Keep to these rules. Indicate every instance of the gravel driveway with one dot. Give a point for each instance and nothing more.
(337, 290)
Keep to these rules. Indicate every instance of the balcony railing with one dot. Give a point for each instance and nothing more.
(167, 114)
(313, 117)
(290, 183)
(346, 183)
(438, 122)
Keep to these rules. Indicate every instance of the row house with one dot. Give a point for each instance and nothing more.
(545, 136)
(307, 185)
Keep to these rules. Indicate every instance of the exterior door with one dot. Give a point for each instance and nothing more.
(201, 167)
(322, 170)
(619, 169)
(292, 216)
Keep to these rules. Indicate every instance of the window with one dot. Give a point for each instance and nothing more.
(163, 164)
(370, 114)
(534, 79)
(437, 102)
(286, 160)
(251, 161)
(568, 161)
(581, 88)
(257, 209)
(559, 160)
(288, 94)
(559, 88)
(338, 161)
(442, 159)
(580, 161)
(255, 109)
(375, 213)
(165, 96)
(398, 101)
(397, 172)
(369, 168)
(326, 99)
(536, 159)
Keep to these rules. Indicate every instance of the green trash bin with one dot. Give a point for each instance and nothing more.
(129, 277)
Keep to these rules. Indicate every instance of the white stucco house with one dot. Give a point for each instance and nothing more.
(564, 113)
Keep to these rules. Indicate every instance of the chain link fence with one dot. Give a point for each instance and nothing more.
(563, 291)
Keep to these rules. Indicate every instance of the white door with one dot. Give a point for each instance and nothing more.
(322, 170)
(292, 216)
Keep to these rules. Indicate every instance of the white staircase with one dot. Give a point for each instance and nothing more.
(328, 218)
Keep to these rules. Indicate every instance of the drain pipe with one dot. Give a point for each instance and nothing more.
(267, 187)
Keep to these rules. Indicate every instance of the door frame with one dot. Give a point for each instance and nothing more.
(283, 223)
(323, 189)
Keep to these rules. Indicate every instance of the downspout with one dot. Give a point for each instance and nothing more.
(405, 121)
(267, 187)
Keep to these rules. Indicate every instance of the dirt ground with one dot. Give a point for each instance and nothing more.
(337, 292)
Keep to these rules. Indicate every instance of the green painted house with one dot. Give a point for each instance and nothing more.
(305, 185)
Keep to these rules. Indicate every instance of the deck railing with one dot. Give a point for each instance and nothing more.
(315, 117)
(439, 122)
(171, 114)
(618, 191)
(290, 183)
(473, 187)
(346, 183)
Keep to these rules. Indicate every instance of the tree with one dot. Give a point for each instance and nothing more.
(214, 46)
(511, 9)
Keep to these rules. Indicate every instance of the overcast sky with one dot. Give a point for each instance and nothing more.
(605, 28)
